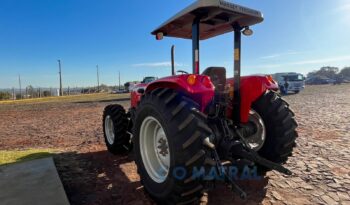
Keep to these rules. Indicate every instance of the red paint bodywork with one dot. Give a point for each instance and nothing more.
(135, 96)
(252, 87)
(200, 92)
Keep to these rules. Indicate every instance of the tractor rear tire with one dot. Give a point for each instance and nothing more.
(280, 127)
(115, 127)
(184, 128)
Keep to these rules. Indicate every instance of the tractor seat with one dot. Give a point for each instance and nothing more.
(217, 76)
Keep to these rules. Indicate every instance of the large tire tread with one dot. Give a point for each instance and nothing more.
(280, 127)
(189, 129)
(121, 144)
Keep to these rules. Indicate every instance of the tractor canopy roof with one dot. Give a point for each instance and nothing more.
(216, 18)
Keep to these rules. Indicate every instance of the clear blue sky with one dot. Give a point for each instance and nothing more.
(298, 35)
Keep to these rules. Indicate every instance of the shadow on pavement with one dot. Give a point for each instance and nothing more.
(255, 189)
(38, 155)
(100, 178)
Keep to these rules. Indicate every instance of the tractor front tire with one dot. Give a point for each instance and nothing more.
(115, 126)
(168, 142)
(280, 127)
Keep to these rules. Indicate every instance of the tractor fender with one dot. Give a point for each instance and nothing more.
(202, 91)
(252, 87)
(135, 94)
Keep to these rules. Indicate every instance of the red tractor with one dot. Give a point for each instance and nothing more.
(183, 126)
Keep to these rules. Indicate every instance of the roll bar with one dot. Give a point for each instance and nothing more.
(172, 60)
(237, 30)
(195, 45)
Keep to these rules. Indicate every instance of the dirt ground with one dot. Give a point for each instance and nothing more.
(93, 176)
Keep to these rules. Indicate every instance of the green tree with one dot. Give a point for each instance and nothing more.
(326, 71)
(103, 88)
(127, 85)
(345, 72)
(46, 93)
(5, 95)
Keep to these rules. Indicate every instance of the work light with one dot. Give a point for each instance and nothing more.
(247, 31)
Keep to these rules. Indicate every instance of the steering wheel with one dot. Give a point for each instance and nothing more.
(182, 72)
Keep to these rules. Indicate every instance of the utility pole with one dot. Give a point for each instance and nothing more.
(59, 67)
(13, 93)
(98, 80)
(20, 86)
(119, 81)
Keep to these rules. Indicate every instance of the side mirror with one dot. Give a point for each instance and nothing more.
(141, 90)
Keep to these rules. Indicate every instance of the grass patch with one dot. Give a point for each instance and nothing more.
(8, 157)
(72, 98)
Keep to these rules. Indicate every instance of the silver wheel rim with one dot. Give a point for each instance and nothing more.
(154, 149)
(109, 129)
(256, 141)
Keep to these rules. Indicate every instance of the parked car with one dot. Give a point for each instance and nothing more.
(317, 80)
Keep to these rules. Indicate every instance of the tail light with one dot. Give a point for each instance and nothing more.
(270, 78)
(207, 82)
(191, 79)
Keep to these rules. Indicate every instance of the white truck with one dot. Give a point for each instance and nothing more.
(290, 82)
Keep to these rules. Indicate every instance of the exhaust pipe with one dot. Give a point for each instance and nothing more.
(172, 60)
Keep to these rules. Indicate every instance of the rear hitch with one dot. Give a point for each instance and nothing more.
(244, 151)
(223, 172)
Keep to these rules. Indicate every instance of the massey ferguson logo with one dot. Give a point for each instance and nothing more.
(239, 8)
